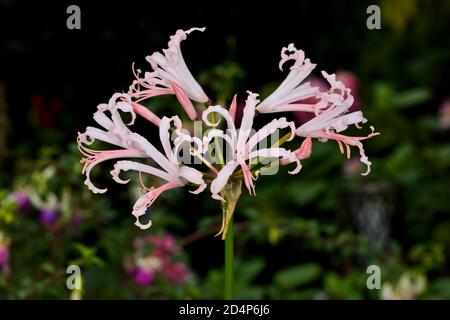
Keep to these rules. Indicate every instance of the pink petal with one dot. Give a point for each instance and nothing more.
(185, 101)
(146, 114)
(233, 106)
(146, 200)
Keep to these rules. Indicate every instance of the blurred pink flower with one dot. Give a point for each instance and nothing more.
(22, 200)
(176, 272)
(351, 167)
(4, 255)
(165, 245)
(143, 277)
(444, 115)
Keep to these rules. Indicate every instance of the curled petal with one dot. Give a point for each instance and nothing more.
(342, 123)
(220, 110)
(350, 141)
(193, 176)
(101, 156)
(100, 135)
(215, 133)
(269, 129)
(164, 136)
(126, 165)
(102, 119)
(146, 200)
(329, 118)
(297, 55)
(291, 90)
(171, 68)
(286, 156)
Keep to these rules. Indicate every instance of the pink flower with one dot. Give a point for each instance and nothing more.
(143, 277)
(444, 114)
(332, 118)
(348, 78)
(170, 75)
(22, 200)
(4, 255)
(287, 96)
(176, 272)
(134, 145)
(243, 146)
(165, 245)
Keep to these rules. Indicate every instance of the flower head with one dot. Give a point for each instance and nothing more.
(133, 145)
(332, 118)
(292, 90)
(170, 75)
(329, 109)
(243, 146)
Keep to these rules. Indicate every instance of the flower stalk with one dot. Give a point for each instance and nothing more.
(231, 194)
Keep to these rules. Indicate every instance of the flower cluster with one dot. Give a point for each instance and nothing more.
(328, 110)
(4, 254)
(154, 258)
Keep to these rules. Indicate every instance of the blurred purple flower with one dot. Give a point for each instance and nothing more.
(176, 272)
(77, 221)
(47, 216)
(22, 200)
(4, 255)
(143, 277)
(444, 115)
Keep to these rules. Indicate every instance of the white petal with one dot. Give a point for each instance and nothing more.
(220, 181)
(194, 176)
(145, 146)
(126, 165)
(268, 129)
(286, 155)
(172, 68)
(247, 122)
(291, 89)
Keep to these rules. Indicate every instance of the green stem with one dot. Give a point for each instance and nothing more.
(231, 194)
(229, 256)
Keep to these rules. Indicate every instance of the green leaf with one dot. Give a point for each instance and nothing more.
(411, 98)
(298, 275)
